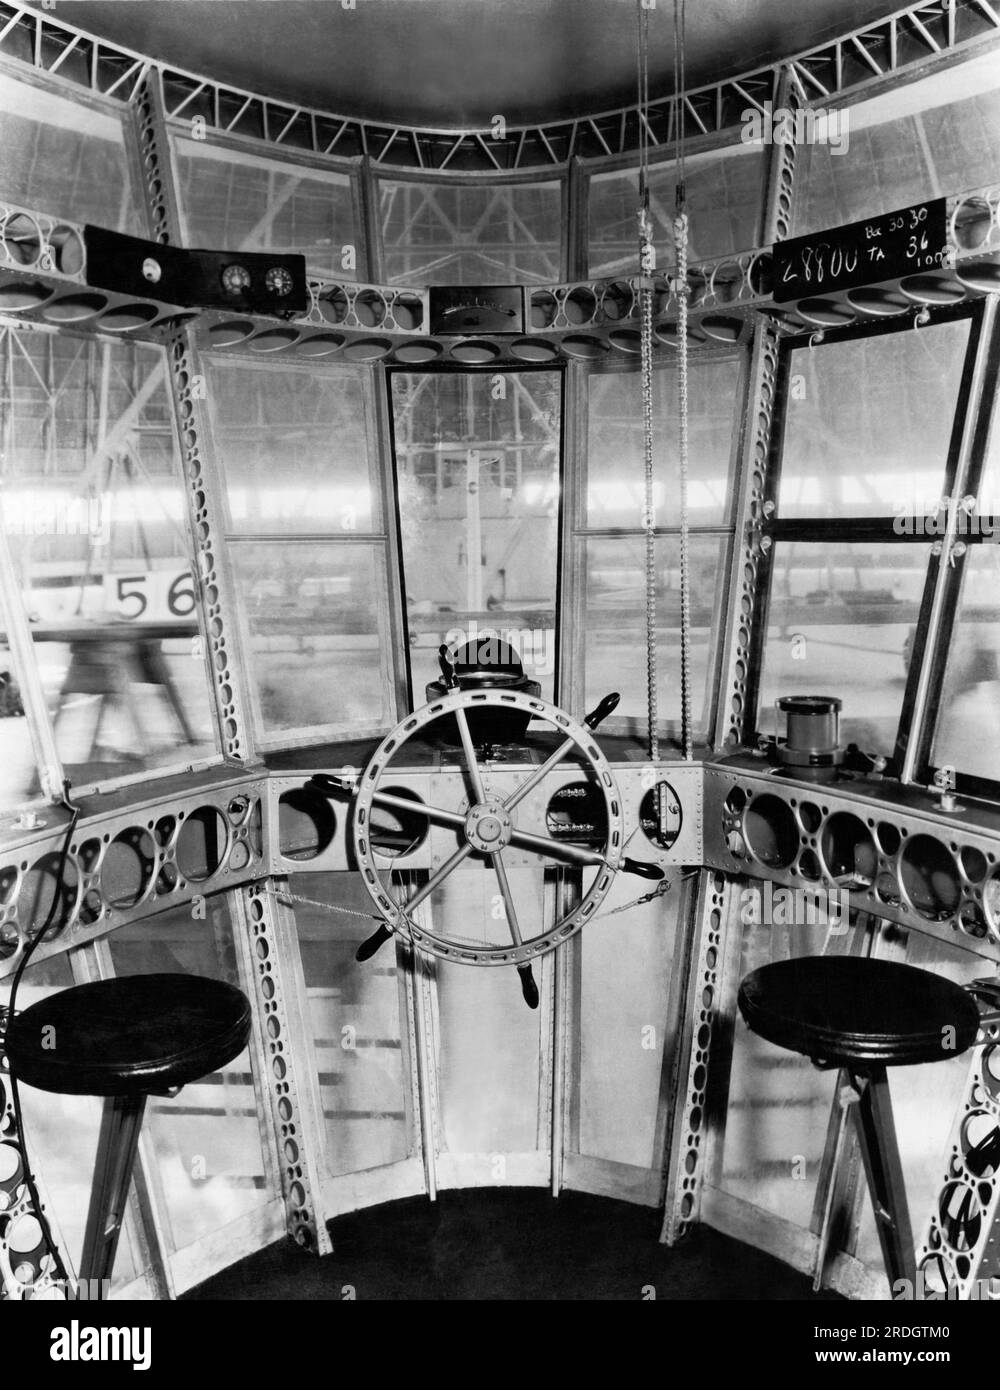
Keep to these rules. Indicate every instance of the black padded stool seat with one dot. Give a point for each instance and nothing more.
(863, 1015)
(850, 1011)
(138, 1033)
(124, 1039)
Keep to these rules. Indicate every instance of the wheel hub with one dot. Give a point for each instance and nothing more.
(488, 827)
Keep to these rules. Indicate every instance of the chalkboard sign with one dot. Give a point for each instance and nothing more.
(862, 253)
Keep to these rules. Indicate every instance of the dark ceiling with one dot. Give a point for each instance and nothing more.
(455, 63)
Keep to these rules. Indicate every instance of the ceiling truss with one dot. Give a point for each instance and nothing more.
(916, 34)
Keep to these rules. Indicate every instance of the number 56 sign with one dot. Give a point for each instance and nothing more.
(150, 595)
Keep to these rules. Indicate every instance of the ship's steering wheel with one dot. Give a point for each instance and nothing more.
(490, 822)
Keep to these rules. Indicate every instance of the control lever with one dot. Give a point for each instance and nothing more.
(607, 706)
(377, 940)
(447, 667)
(633, 866)
(325, 782)
(528, 987)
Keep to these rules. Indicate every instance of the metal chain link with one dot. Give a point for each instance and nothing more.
(649, 519)
(683, 292)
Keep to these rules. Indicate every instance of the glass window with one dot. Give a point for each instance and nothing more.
(610, 643)
(317, 618)
(480, 234)
(868, 423)
(357, 1028)
(902, 148)
(294, 445)
(207, 1140)
(725, 192)
(489, 1043)
(613, 646)
(20, 782)
(624, 982)
(477, 463)
(96, 521)
(841, 621)
(777, 1119)
(615, 458)
(970, 704)
(235, 200)
(66, 157)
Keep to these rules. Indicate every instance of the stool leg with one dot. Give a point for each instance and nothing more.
(880, 1152)
(121, 1121)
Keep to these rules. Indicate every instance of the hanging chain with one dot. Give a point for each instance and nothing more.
(682, 290)
(647, 267)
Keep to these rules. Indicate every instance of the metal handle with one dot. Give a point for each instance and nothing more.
(607, 706)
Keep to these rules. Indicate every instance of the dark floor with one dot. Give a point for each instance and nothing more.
(510, 1243)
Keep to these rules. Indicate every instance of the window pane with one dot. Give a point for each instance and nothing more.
(363, 1074)
(489, 1043)
(614, 640)
(625, 967)
(20, 782)
(779, 1102)
(941, 146)
(724, 190)
(868, 423)
(319, 641)
(841, 621)
(66, 158)
(207, 1140)
(615, 454)
(95, 513)
(234, 200)
(294, 446)
(478, 475)
(970, 705)
(441, 234)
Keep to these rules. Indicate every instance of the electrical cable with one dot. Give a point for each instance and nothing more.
(39, 936)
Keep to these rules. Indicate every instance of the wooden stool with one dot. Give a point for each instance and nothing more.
(124, 1039)
(864, 1015)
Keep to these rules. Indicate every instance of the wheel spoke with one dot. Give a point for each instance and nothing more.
(538, 775)
(470, 754)
(508, 898)
(558, 849)
(438, 878)
(437, 814)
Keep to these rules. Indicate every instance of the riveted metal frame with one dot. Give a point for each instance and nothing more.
(703, 977)
(224, 653)
(153, 828)
(285, 1055)
(146, 103)
(957, 1253)
(919, 34)
(731, 719)
(213, 573)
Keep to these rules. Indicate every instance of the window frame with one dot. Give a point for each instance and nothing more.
(858, 530)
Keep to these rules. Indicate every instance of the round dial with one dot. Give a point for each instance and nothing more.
(235, 279)
(278, 280)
